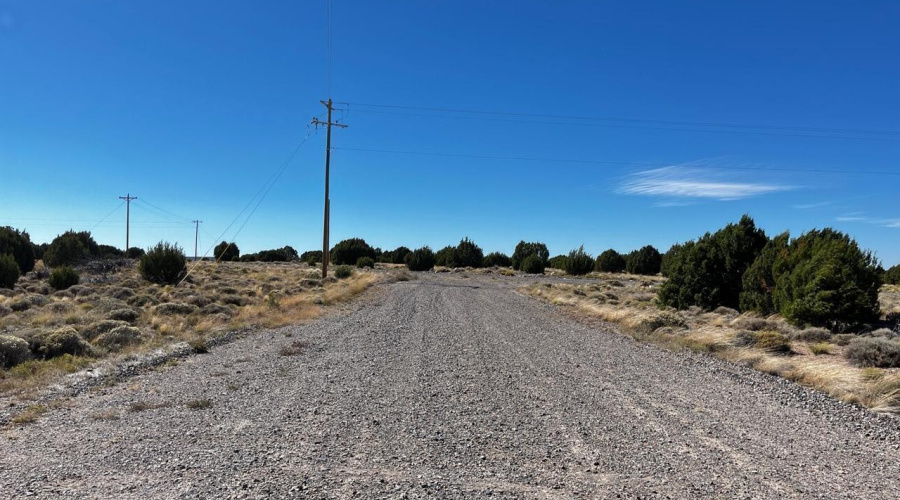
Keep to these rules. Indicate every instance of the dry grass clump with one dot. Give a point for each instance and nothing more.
(841, 365)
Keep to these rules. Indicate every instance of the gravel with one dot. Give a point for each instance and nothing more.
(450, 387)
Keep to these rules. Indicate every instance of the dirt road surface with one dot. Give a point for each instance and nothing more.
(451, 387)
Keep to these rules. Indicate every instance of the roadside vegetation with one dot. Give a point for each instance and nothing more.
(88, 308)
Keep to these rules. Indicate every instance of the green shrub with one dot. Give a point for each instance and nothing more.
(365, 262)
(892, 275)
(445, 257)
(497, 259)
(420, 259)
(523, 250)
(579, 262)
(9, 271)
(349, 251)
(468, 254)
(824, 279)
(873, 352)
(668, 257)
(610, 261)
(134, 253)
(63, 277)
(398, 255)
(13, 351)
(70, 248)
(341, 272)
(558, 262)
(163, 264)
(18, 244)
(708, 272)
(109, 251)
(533, 264)
(758, 282)
(311, 257)
(226, 252)
(646, 261)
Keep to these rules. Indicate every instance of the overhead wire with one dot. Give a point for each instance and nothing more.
(261, 194)
(611, 162)
(522, 116)
(106, 216)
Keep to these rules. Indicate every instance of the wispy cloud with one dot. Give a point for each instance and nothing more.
(811, 206)
(862, 217)
(687, 182)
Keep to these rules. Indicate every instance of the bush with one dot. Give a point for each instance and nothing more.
(445, 257)
(349, 251)
(610, 261)
(768, 340)
(70, 248)
(873, 352)
(341, 272)
(17, 244)
(824, 279)
(176, 308)
(533, 264)
(892, 275)
(163, 264)
(63, 277)
(496, 259)
(468, 254)
(398, 255)
(812, 334)
(9, 271)
(524, 250)
(758, 282)
(109, 251)
(50, 344)
(311, 257)
(226, 252)
(579, 262)
(646, 261)
(668, 258)
(13, 351)
(708, 272)
(365, 262)
(119, 337)
(558, 262)
(421, 259)
(134, 253)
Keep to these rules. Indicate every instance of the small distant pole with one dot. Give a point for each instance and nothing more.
(196, 236)
(127, 199)
(325, 233)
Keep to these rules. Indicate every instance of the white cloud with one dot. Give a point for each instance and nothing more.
(810, 206)
(686, 182)
(862, 217)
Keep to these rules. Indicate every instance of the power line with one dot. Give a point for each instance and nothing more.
(611, 162)
(667, 122)
(164, 211)
(665, 125)
(263, 191)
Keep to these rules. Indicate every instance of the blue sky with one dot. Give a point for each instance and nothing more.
(608, 124)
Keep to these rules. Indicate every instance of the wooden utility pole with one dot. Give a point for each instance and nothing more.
(325, 233)
(196, 236)
(127, 199)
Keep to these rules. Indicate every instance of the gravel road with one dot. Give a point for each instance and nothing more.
(451, 387)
